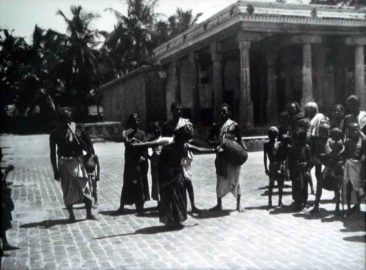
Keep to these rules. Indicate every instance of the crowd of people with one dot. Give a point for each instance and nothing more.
(334, 145)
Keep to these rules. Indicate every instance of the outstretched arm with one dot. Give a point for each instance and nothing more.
(200, 150)
(160, 141)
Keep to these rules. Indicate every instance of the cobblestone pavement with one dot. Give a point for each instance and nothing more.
(255, 239)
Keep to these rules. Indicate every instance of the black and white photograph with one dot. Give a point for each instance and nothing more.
(194, 134)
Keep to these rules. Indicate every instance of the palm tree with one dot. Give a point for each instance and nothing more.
(182, 21)
(130, 43)
(79, 54)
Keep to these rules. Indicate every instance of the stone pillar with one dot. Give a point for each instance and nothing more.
(325, 95)
(359, 44)
(176, 73)
(272, 101)
(287, 72)
(307, 79)
(245, 104)
(195, 87)
(216, 57)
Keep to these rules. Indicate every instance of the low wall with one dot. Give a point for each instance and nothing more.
(103, 130)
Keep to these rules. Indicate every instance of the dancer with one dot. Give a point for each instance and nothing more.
(173, 207)
(186, 160)
(168, 130)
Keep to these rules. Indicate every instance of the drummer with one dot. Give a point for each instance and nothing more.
(227, 174)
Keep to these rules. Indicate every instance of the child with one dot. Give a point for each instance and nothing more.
(333, 172)
(7, 205)
(154, 160)
(93, 169)
(274, 151)
(354, 166)
(299, 157)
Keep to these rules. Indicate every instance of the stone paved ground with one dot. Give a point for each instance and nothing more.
(254, 239)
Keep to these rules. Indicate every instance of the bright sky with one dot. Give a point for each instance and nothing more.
(23, 15)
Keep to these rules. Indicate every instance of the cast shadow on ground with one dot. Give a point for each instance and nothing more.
(263, 207)
(275, 193)
(46, 224)
(354, 223)
(356, 238)
(127, 211)
(205, 214)
(275, 186)
(285, 209)
(323, 213)
(149, 230)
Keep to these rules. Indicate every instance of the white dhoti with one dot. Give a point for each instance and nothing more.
(353, 172)
(230, 182)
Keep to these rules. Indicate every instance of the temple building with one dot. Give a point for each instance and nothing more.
(258, 56)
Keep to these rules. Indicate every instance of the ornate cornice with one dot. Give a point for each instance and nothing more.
(356, 40)
(267, 17)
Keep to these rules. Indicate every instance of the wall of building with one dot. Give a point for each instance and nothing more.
(141, 91)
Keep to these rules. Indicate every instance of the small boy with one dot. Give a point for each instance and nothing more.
(354, 166)
(333, 171)
(92, 167)
(274, 150)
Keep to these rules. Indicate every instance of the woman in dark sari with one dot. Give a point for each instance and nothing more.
(135, 188)
(173, 169)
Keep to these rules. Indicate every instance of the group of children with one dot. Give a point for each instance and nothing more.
(336, 147)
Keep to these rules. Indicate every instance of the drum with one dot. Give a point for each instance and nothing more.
(233, 152)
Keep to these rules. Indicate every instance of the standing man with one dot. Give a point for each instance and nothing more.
(355, 115)
(70, 142)
(315, 138)
(298, 123)
(226, 172)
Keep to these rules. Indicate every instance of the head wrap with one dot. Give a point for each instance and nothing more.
(313, 105)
